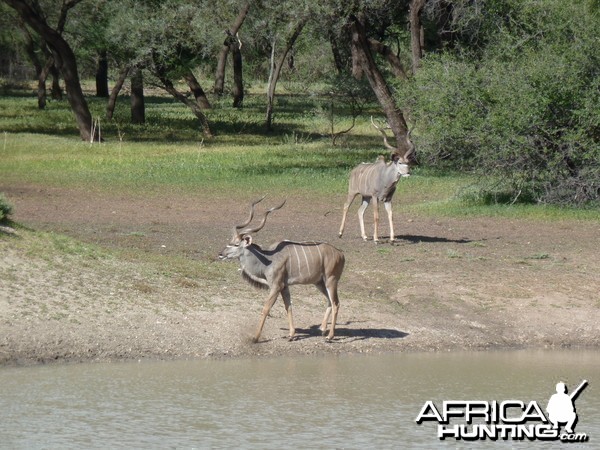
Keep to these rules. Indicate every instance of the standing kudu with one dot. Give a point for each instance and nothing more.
(377, 181)
(284, 264)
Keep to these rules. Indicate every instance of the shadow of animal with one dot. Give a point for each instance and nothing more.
(416, 239)
(355, 333)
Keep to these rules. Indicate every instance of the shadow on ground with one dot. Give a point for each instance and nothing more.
(342, 330)
(416, 239)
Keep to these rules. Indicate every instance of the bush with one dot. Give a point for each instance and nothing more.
(5, 208)
(524, 111)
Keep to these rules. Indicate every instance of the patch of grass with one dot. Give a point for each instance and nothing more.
(137, 234)
(477, 244)
(142, 166)
(539, 256)
(143, 287)
(453, 254)
(169, 152)
(61, 244)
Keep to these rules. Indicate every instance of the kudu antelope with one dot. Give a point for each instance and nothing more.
(284, 264)
(377, 181)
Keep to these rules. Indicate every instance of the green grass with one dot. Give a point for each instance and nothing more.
(60, 161)
(168, 152)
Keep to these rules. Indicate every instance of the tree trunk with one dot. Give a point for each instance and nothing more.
(56, 90)
(357, 69)
(365, 60)
(64, 59)
(416, 33)
(138, 108)
(193, 105)
(222, 59)
(41, 91)
(102, 75)
(388, 54)
(50, 69)
(40, 71)
(276, 70)
(335, 50)
(238, 79)
(220, 72)
(112, 99)
(197, 90)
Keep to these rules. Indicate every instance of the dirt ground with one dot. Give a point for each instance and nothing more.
(446, 284)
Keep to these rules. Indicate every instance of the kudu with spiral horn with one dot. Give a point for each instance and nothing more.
(377, 182)
(284, 264)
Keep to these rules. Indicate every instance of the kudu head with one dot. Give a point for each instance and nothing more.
(242, 237)
(402, 156)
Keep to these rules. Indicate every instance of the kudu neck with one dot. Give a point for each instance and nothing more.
(254, 253)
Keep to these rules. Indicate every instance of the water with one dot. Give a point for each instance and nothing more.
(325, 402)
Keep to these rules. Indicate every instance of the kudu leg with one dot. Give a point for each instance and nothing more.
(266, 309)
(332, 285)
(375, 219)
(361, 216)
(323, 289)
(349, 201)
(388, 208)
(287, 301)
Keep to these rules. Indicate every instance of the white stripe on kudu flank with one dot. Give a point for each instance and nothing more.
(298, 260)
(306, 259)
(365, 178)
(360, 179)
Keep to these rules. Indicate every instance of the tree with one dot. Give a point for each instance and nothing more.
(42, 68)
(138, 109)
(112, 98)
(363, 59)
(102, 74)
(238, 78)
(168, 85)
(393, 59)
(197, 90)
(63, 55)
(416, 33)
(168, 40)
(276, 66)
(230, 44)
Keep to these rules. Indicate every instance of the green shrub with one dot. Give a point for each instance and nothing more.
(5, 208)
(523, 109)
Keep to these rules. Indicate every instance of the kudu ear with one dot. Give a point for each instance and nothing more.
(247, 240)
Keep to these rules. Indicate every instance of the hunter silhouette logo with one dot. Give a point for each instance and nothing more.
(561, 407)
(509, 419)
